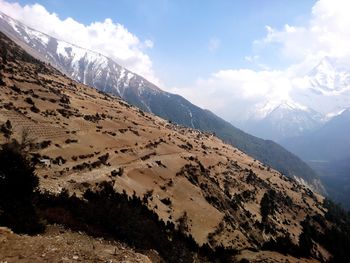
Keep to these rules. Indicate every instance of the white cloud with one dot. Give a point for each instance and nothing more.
(238, 91)
(214, 44)
(327, 33)
(233, 93)
(107, 37)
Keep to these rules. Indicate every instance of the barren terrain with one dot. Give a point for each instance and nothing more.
(81, 137)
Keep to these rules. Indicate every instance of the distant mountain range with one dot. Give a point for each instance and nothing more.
(316, 127)
(330, 78)
(283, 120)
(104, 74)
(330, 142)
(326, 150)
(326, 95)
(314, 124)
(336, 178)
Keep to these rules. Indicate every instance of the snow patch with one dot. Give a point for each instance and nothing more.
(38, 36)
(13, 25)
(331, 115)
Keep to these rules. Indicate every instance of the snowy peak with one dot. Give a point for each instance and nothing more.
(326, 66)
(325, 95)
(327, 78)
(263, 111)
(84, 65)
(282, 119)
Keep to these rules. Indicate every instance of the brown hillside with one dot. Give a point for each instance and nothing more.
(209, 189)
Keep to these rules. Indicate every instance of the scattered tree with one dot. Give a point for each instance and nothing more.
(267, 204)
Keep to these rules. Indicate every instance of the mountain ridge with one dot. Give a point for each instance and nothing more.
(148, 97)
(323, 93)
(326, 150)
(104, 163)
(333, 135)
(283, 120)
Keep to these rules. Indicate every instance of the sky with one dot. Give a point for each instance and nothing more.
(223, 55)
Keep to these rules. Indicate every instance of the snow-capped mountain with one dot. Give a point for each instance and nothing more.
(282, 119)
(86, 66)
(263, 110)
(329, 88)
(326, 94)
(327, 78)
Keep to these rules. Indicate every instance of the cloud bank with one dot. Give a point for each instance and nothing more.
(326, 34)
(106, 37)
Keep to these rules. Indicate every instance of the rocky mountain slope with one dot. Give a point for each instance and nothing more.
(336, 177)
(330, 142)
(98, 71)
(109, 166)
(327, 151)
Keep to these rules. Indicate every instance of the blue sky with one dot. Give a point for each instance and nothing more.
(192, 38)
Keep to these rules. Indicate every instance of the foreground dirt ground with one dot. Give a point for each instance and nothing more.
(58, 244)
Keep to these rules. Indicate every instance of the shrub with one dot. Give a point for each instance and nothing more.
(2, 82)
(183, 223)
(166, 201)
(104, 158)
(71, 141)
(34, 109)
(29, 101)
(6, 129)
(118, 172)
(65, 99)
(282, 244)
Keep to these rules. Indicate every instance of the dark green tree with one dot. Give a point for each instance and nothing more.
(18, 183)
(305, 238)
(267, 204)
